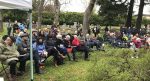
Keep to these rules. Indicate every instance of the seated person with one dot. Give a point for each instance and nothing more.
(18, 38)
(51, 49)
(80, 46)
(9, 55)
(92, 41)
(67, 44)
(40, 46)
(24, 50)
(60, 46)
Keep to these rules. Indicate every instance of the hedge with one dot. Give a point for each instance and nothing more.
(65, 17)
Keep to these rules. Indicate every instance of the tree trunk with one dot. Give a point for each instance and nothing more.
(40, 10)
(1, 22)
(129, 17)
(140, 14)
(57, 12)
(87, 15)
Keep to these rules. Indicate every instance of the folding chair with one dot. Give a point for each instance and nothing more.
(4, 69)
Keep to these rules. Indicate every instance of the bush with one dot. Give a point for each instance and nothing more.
(13, 15)
(117, 65)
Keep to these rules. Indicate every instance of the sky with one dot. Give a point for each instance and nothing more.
(77, 6)
(80, 6)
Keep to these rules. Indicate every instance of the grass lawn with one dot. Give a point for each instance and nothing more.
(112, 61)
(70, 71)
(115, 64)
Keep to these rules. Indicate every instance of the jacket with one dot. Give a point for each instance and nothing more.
(8, 53)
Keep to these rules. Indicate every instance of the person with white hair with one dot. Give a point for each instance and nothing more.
(60, 46)
(59, 36)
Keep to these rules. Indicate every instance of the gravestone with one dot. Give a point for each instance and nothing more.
(75, 25)
(64, 25)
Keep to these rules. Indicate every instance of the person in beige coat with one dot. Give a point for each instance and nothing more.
(9, 55)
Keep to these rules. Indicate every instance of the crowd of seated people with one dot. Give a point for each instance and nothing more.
(128, 38)
(48, 42)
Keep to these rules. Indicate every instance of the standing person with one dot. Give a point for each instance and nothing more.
(89, 31)
(15, 27)
(148, 28)
(106, 29)
(9, 28)
(9, 55)
(148, 42)
(78, 25)
(54, 30)
(95, 31)
(34, 24)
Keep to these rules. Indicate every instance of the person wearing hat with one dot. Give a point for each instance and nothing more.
(9, 55)
(24, 50)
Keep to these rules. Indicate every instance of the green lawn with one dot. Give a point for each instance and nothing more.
(114, 64)
(70, 71)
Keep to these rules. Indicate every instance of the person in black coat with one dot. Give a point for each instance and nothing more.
(52, 51)
(24, 50)
(15, 27)
(60, 45)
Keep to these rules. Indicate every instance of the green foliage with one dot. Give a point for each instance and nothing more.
(14, 15)
(117, 65)
(108, 15)
(111, 12)
(66, 17)
(71, 17)
(146, 21)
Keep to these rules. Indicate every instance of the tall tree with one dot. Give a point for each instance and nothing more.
(112, 11)
(35, 5)
(1, 22)
(87, 15)
(40, 10)
(130, 11)
(140, 14)
(57, 12)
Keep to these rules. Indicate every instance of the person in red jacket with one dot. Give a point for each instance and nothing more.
(79, 46)
(137, 41)
(76, 41)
